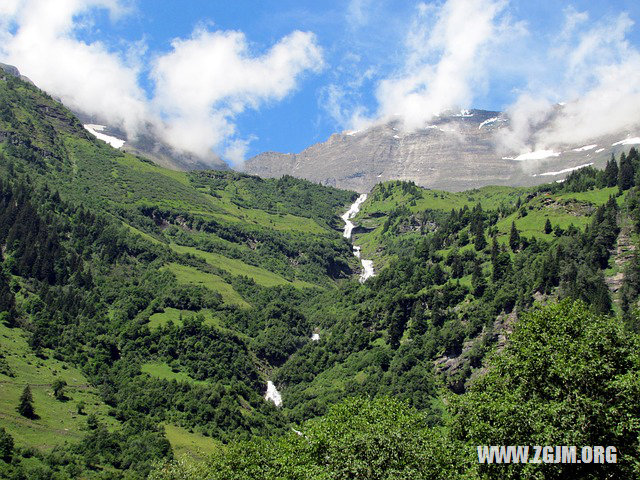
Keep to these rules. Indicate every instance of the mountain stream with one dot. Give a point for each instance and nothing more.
(367, 265)
(273, 395)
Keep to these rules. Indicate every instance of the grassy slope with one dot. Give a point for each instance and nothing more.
(161, 319)
(193, 276)
(562, 210)
(191, 444)
(89, 171)
(164, 371)
(261, 276)
(489, 197)
(59, 420)
(122, 180)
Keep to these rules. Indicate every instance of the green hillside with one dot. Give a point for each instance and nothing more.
(147, 309)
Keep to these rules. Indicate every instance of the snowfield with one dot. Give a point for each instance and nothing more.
(585, 148)
(566, 170)
(95, 131)
(628, 141)
(535, 155)
(487, 122)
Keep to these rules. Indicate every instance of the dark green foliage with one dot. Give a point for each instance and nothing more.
(324, 255)
(283, 195)
(6, 446)
(589, 178)
(58, 389)
(368, 440)
(387, 189)
(192, 297)
(7, 300)
(477, 227)
(500, 261)
(557, 376)
(547, 227)
(135, 449)
(514, 237)
(92, 422)
(626, 173)
(611, 172)
(25, 407)
(478, 281)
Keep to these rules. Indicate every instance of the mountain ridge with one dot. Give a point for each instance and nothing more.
(146, 143)
(457, 152)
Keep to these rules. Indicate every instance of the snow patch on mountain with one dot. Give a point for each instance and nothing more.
(488, 122)
(560, 172)
(95, 131)
(535, 155)
(627, 141)
(585, 148)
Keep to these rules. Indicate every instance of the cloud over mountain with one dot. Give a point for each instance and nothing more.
(455, 51)
(201, 84)
(444, 56)
(206, 80)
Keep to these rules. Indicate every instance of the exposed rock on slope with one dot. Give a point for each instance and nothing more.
(456, 153)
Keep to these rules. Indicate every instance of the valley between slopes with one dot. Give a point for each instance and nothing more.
(146, 312)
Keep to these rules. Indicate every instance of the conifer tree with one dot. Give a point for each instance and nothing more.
(457, 267)
(495, 250)
(25, 407)
(6, 445)
(478, 282)
(7, 301)
(514, 237)
(625, 174)
(480, 241)
(547, 226)
(611, 173)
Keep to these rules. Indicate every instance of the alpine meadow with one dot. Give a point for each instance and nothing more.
(209, 324)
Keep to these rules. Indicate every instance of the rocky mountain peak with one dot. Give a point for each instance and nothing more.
(457, 151)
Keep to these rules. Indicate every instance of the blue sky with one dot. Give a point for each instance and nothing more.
(354, 63)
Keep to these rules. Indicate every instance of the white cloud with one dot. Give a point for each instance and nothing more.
(443, 62)
(202, 83)
(600, 85)
(208, 79)
(340, 100)
(86, 76)
(525, 116)
(236, 150)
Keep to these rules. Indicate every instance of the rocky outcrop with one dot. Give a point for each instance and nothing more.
(622, 254)
(13, 71)
(458, 152)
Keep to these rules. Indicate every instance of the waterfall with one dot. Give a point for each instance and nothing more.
(367, 265)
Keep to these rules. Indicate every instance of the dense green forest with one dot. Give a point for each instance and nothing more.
(143, 310)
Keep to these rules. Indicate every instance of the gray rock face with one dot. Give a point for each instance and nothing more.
(13, 71)
(457, 152)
